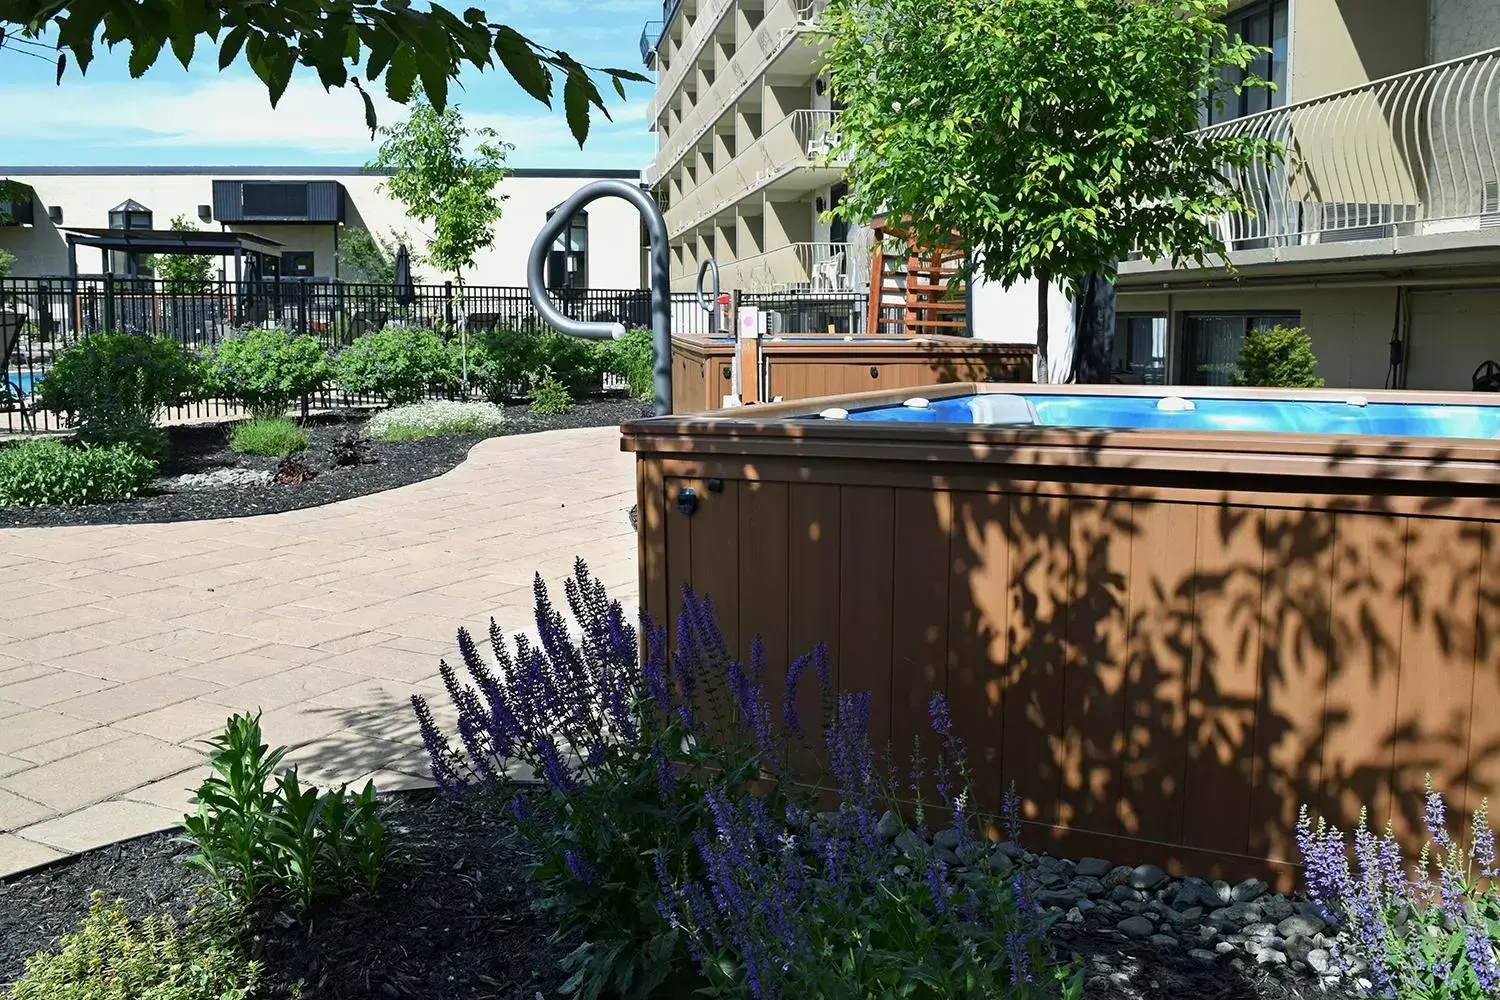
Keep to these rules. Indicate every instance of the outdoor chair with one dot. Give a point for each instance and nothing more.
(828, 274)
(362, 323)
(11, 323)
(481, 322)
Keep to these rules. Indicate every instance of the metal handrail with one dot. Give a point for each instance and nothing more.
(815, 267)
(1411, 154)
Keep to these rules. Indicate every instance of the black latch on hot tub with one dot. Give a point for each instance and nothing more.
(687, 500)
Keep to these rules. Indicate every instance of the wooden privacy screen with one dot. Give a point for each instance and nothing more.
(1166, 663)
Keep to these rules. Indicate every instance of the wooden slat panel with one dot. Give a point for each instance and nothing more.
(715, 555)
(978, 625)
(1225, 678)
(919, 619)
(1360, 701)
(1100, 537)
(1040, 578)
(679, 542)
(813, 584)
(1483, 751)
(1163, 634)
(651, 515)
(763, 581)
(1295, 646)
(866, 599)
(1444, 560)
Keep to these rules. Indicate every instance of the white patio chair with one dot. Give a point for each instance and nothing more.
(828, 274)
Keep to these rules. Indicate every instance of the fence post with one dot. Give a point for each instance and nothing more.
(303, 327)
(109, 301)
(448, 303)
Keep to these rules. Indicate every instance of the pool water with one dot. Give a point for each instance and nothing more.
(25, 382)
(1143, 412)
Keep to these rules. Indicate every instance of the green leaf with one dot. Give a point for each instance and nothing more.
(183, 44)
(401, 77)
(62, 64)
(143, 56)
(576, 106)
(233, 42)
(521, 62)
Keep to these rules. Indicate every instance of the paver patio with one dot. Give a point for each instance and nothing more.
(123, 645)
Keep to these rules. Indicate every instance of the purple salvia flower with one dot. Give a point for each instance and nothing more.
(666, 782)
(789, 702)
(1482, 841)
(937, 710)
(439, 754)
(822, 667)
(580, 867)
(553, 769)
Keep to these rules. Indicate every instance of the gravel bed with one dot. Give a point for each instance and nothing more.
(223, 483)
(451, 920)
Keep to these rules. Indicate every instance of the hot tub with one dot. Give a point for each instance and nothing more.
(802, 366)
(1170, 625)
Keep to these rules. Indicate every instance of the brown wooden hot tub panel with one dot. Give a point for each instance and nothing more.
(1166, 655)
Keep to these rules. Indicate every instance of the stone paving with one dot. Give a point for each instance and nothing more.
(121, 646)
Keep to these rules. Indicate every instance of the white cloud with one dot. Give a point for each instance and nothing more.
(231, 112)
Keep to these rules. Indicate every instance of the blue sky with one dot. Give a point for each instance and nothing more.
(201, 116)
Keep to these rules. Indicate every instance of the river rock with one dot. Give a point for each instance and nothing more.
(1270, 956)
(1300, 925)
(1093, 867)
(1001, 865)
(889, 826)
(1250, 889)
(1059, 898)
(1125, 894)
(947, 857)
(1260, 931)
(1223, 947)
(1147, 877)
(1298, 948)
(1200, 955)
(911, 845)
(1088, 885)
(1321, 962)
(948, 838)
(1232, 918)
(1224, 892)
(1164, 941)
(1136, 927)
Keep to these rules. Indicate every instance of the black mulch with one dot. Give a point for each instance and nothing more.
(451, 920)
(204, 448)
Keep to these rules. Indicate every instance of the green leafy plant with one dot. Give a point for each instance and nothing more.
(443, 185)
(7, 263)
(1279, 357)
(266, 369)
(255, 829)
(111, 957)
(365, 257)
(183, 274)
(549, 397)
(505, 361)
(633, 358)
(115, 385)
(398, 363)
(435, 418)
(1048, 138)
(39, 472)
(397, 44)
(276, 438)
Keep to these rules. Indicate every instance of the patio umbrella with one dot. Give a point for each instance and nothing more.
(405, 293)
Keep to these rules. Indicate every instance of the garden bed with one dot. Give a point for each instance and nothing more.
(451, 919)
(202, 449)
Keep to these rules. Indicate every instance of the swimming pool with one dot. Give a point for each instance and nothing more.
(26, 382)
(1354, 415)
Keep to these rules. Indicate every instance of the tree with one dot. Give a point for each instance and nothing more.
(185, 273)
(365, 257)
(1052, 137)
(442, 185)
(1280, 357)
(7, 261)
(345, 42)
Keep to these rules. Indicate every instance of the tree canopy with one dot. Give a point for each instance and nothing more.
(411, 49)
(443, 185)
(1052, 138)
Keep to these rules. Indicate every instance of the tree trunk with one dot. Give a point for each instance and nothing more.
(1043, 286)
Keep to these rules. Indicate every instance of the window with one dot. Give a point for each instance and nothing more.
(1211, 342)
(129, 215)
(568, 260)
(297, 264)
(1264, 24)
(274, 200)
(838, 229)
(1139, 351)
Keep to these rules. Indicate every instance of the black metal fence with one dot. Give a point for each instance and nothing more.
(49, 314)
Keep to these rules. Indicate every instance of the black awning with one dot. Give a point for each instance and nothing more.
(169, 241)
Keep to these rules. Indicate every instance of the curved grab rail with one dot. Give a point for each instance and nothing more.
(711, 305)
(661, 304)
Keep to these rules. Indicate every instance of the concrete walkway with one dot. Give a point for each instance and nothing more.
(120, 646)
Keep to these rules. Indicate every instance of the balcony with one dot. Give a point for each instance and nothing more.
(800, 267)
(709, 16)
(792, 156)
(1413, 155)
(784, 20)
(651, 36)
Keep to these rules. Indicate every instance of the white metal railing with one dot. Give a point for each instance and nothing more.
(686, 56)
(799, 267)
(784, 20)
(1412, 154)
(802, 139)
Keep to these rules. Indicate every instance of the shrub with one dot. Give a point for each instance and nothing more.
(550, 397)
(254, 830)
(276, 437)
(400, 364)
(33, 473)
(435, 418)
(349, 448)
(632, 357)
(111, 958)
(1281, 357)
(113, 385)
(508, 362)
(1432, 936)
(267, 369)
(647, 765)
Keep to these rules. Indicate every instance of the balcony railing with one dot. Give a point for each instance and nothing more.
(799, 267)
(801, 139)
(651, 36)
(1410, 155)
(709, 16)
(784, 20)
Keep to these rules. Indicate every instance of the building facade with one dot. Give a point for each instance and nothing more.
(743, 124)
(309, 212)
(1379, 234)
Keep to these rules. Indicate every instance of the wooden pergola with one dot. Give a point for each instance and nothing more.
(924, 283)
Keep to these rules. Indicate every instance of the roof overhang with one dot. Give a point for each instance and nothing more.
(169, 241)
